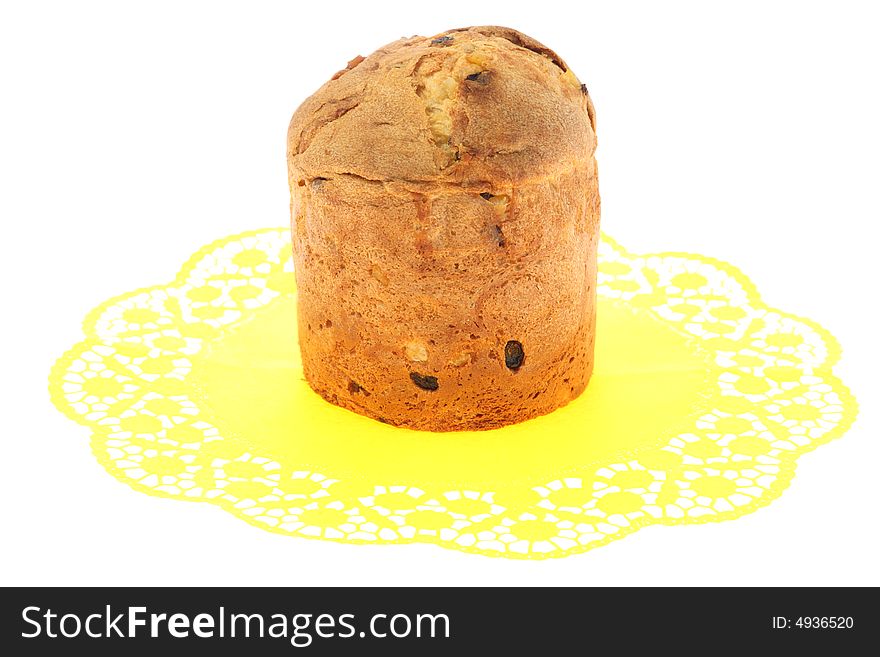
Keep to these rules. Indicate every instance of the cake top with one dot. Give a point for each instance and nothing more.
(477, 106)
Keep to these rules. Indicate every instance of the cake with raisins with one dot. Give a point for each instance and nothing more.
(445, 222)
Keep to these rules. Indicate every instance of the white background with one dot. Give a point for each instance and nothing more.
(132, 133)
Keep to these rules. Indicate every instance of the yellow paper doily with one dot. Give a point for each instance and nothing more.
(701, 401)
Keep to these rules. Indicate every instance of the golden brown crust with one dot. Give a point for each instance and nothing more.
(445, 217)
(526, 117)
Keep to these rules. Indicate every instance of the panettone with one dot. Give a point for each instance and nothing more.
(445, 221)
